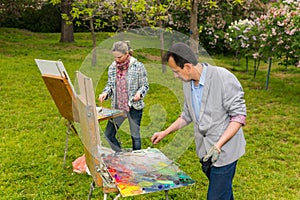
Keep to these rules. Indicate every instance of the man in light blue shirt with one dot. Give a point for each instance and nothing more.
(214, 101)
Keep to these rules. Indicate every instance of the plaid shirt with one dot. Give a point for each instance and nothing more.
(136, 80)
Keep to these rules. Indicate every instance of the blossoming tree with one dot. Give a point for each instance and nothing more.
(273, 35)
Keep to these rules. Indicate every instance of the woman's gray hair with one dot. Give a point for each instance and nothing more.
(122, 46)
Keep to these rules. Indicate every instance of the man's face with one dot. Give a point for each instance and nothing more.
(182, 74)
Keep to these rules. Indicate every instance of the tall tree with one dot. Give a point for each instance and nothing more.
(67, 29)
(194, 26)
(94, 14)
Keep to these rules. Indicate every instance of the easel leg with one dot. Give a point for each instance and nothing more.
(167, 195)
(67, 141)
(117, 197)
(92, 187)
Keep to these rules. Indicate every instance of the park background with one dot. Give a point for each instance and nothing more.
(33, 132)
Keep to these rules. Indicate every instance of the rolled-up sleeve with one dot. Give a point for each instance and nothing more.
(239, 118)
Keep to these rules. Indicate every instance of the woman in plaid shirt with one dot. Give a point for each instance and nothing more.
(127, 85)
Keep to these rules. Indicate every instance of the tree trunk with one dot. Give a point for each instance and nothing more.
(194, 37)
(120, 20)
(94, 38)
(247, 61)
(268, 74)
(67, 31)
(161, 39)
(256, 66)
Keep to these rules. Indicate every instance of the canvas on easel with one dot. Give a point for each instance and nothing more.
(62, 92)
(128, 173)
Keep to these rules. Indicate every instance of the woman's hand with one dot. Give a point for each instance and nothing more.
(137, 96)
(102, 97)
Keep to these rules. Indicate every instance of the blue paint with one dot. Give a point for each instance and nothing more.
(150, 189)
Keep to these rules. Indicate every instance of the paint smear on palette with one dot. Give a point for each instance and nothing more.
(144, 171)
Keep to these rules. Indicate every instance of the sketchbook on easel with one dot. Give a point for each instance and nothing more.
(58, 82)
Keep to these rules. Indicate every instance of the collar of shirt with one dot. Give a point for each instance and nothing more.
(202, 79)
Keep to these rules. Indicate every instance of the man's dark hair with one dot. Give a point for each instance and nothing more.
(182, 54)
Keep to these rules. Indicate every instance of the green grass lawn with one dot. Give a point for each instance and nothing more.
(33, 132)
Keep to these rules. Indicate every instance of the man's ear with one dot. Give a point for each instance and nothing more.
(188, 66)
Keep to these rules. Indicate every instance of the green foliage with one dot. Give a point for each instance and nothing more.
(238, 2)
(35, 17)
(281, 30)
(216, 16)
(241, 38)
(115, 15)
(275, 35)
(33, 132)
(211, 4)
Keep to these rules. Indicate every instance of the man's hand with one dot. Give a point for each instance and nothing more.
(157, 137)
(213, 153)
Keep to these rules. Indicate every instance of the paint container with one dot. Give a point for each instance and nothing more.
(117, 178)
(177, 182)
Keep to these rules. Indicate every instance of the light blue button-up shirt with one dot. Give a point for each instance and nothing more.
(197, 92)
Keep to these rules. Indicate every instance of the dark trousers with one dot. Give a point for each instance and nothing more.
(220, 182)
(134, 118)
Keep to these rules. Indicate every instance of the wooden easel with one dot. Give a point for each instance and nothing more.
(90, 137)
(61, 89)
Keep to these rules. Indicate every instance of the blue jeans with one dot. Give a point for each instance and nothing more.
(220, 182)
(134, 118)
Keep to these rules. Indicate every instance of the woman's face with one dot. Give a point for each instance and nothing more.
(120, 57)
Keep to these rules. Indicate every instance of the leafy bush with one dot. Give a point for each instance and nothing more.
(276, 34)
(37, 18)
